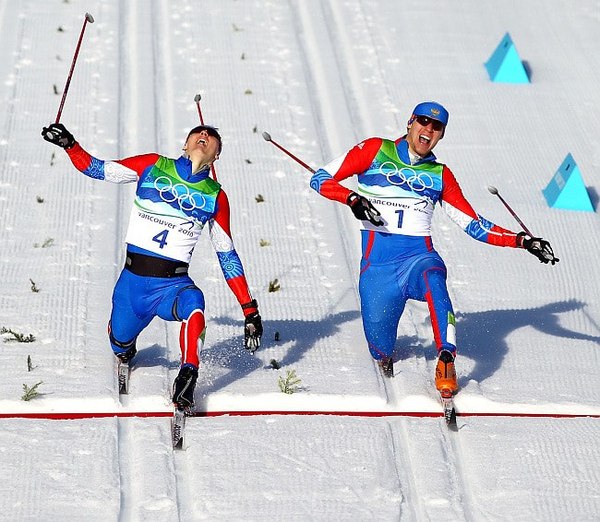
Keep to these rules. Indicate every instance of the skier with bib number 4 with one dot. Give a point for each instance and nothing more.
(174, 200)
(399, 182)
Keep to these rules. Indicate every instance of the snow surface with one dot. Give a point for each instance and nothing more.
(319, 76)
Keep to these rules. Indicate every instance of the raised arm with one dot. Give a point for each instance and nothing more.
(116, 171)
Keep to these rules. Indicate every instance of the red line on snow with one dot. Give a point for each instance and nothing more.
(98, 415)
(84, 415)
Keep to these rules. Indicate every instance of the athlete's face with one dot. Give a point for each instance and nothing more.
(202, 147)
(423, 135)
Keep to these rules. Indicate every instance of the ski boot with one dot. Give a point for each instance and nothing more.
(445, 374)
(386, 366)
(183, 387)
(127, 355)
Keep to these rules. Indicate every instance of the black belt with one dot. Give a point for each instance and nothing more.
(150, 266)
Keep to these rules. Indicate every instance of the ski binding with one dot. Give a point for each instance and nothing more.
(449, 409)
(123, 372)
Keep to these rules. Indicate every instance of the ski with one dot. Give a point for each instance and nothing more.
(123, 372)
(178, 427)
(449, 410)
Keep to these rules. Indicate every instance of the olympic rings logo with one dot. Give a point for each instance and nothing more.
(186, 199)
(416, 181)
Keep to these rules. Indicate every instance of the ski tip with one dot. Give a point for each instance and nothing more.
(266, 136)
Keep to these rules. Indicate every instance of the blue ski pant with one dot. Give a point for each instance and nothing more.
(138, 299)
(392, 272)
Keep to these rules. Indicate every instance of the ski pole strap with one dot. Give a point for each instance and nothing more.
(150, 266)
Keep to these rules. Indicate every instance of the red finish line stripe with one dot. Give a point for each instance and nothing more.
(127, 414)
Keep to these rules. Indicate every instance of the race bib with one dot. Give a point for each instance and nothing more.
(167, 236)
(407, 216)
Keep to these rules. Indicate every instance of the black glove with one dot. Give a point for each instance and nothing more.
(253, 331)
(537, 246)
(58, 134)
(363, 209)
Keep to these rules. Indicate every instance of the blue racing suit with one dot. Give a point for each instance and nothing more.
(171, 207)
(399, 261)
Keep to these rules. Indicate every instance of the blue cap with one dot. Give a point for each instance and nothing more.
(432, 110)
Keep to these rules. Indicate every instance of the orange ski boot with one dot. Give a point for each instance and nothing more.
(445, 374)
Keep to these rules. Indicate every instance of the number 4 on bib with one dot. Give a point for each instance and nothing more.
(161, 238)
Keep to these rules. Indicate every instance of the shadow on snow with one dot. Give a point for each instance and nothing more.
(304, 334)
(481, 337)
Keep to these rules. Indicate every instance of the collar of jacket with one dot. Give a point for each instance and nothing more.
(184, 168)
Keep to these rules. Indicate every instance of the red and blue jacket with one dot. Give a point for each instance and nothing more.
(405, 192)
(171, 206)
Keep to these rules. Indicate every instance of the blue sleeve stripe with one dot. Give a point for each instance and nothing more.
(95, 169)
(318, 178)
(230, 264)
(479, 229)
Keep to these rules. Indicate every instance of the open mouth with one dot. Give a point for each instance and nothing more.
(424, 139)
(202, 141)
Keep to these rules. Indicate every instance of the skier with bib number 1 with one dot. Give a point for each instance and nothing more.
(174, 200)
(398, 184)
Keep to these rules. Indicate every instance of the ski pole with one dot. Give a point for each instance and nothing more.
(88, 18)
(267, 137)
(494, 191)
(197, 99)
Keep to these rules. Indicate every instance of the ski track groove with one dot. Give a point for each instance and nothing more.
(417, 318)
(463, 499)
(410, 493)
(351, 86)
(8, 67)
(165, 134)
(145, 122)
(353, 92)
(13, 66)
(309, 58)
(394, 388)
(130, 86)
(127, 26)
(321, 114)
(126, 498)
(351, 82)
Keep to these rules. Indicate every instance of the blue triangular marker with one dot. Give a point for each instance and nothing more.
(567, 190)
(505, 65)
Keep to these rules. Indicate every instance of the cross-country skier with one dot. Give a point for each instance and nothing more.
(399, 182)
(174, 199)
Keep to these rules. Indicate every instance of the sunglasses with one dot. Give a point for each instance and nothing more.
(425, 121)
